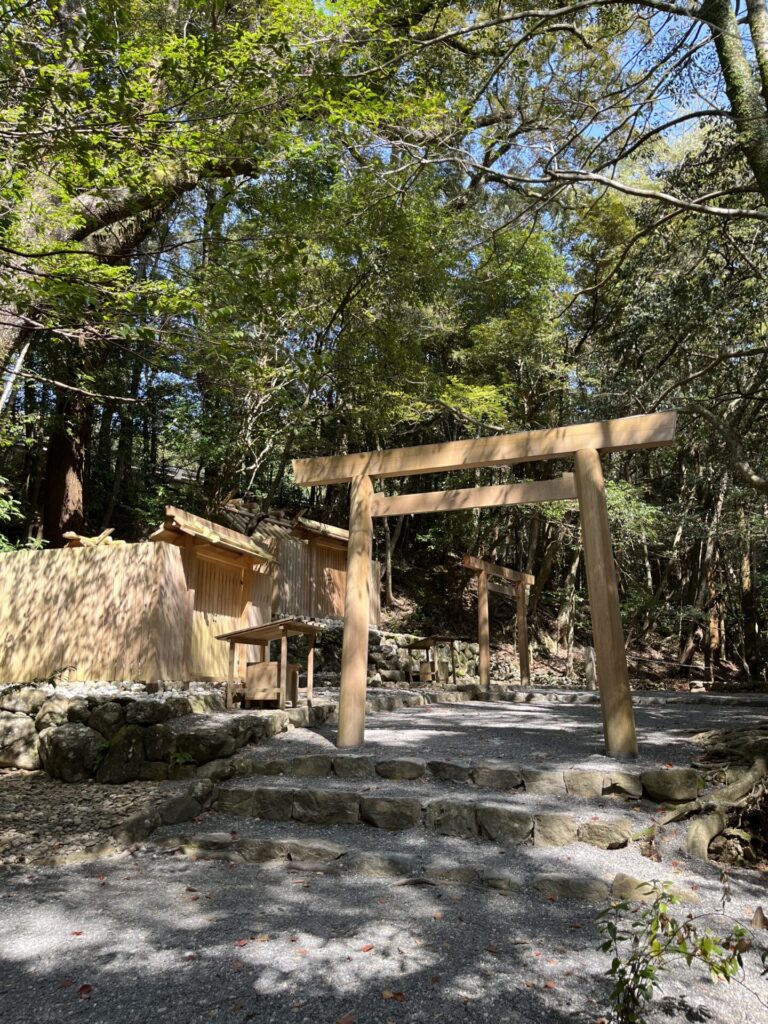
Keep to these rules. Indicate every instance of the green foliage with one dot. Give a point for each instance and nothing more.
(646, 941)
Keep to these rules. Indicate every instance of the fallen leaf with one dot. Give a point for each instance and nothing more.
(530, 984)
(76, 934)
(191, 956)
(759, 920)
(575, 924)
(302, 952)
(438, 915)
(399, 997)
(549, 984)
(348, 1018)
(241, 942)
(85, 991)
(366, 948)
(190, 888)
(263, 937)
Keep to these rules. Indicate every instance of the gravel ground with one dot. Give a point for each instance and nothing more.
(45, 821)
(553, 735)
(146, 939)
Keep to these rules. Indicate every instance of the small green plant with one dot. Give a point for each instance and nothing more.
(648, 940)
(180, 758)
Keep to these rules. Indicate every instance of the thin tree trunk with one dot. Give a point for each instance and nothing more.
(390, 543)
(567, 605)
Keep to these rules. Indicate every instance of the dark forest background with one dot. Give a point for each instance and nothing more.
(236, 233)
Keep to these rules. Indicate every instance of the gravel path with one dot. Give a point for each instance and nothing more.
(147, 939)
(156, 937)
(558, 735)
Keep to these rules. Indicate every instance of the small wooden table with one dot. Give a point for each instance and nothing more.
(262, 636)
(427, 643)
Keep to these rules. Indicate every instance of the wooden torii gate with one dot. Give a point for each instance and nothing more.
(514, 586)
(583, 443)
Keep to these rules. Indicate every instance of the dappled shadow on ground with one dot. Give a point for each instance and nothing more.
(180, 942)
(558, 735)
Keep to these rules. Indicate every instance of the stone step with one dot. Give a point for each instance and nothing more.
(507, 819)
(660, 785)
(441, 861)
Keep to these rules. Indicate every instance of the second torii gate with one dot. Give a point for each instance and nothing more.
(515, 586)
(581, 442)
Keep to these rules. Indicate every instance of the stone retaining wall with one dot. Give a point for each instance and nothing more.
(118, 737)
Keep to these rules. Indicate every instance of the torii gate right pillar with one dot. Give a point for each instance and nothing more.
(607, 631)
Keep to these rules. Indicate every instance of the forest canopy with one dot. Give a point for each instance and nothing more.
(235, 233)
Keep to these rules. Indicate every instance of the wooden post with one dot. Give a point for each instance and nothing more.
(354, 652)
(231, 673)
(310, 667)
(607, 631)
(522, 635)
(283, 671)
(483, 633)
(453, 661)
(434, 663)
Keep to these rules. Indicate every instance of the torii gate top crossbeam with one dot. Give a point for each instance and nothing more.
(651, 431)
(500, 571)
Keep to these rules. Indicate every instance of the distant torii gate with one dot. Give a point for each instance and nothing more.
(584, 443)
(515, 586)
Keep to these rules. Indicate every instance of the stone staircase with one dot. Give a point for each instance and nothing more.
(576, 832)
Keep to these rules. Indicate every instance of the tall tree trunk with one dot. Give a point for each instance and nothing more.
(747, 104)
(748, 605)
(124, 458)
(705, 584)
(567, 605)
(390, 543)
(63, 489)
